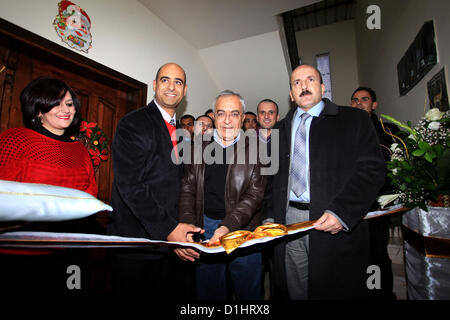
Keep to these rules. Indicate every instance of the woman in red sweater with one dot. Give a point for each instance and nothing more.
(44, 152)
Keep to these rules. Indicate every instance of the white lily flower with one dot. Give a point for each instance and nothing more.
(394, 147)
(434, 114)
(386, 199)
(434, 125)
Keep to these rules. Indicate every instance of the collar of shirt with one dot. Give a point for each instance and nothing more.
(262, 137)
(164, 113)
(217, 139)
(314, 112)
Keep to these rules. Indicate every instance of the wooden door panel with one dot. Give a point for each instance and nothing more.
(105, 119)
(14, 77)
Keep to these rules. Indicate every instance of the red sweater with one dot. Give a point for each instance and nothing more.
(28, 156)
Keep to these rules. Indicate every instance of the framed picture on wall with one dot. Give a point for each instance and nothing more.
(418, 60)
(437, 91)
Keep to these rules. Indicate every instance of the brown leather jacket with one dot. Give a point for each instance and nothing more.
(244, 192)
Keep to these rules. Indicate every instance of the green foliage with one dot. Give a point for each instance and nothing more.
(420, 161)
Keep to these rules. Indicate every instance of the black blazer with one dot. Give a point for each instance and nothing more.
(346, 171)
(146, 181)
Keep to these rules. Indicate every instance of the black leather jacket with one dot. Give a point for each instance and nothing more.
(244, 191)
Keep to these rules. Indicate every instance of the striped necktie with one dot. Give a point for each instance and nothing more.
(298, 170)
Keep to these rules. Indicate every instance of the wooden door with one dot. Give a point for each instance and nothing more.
(105, 94)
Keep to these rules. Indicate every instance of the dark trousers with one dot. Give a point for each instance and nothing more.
(243, 267)
(379, 240)
(148, 276)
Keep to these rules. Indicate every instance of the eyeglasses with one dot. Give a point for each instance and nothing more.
(232, 114)
(362, 99)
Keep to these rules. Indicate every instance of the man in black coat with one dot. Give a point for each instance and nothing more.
(145, 194)
(343, 169)
(365, 98)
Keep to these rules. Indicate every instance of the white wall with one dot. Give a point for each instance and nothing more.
(254, 67)
(379, 51)
(337, 39)
(128, 38)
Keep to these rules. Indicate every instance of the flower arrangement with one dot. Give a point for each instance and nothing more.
(420, 159)
(94, 140)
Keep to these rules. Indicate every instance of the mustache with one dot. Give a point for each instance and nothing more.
(305, 93)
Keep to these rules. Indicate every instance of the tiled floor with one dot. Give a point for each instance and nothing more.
(398, 270)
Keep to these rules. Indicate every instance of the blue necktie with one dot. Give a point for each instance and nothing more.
(298, 169)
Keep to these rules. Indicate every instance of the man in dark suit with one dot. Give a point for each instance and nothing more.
(330, 170)
(365, 98)
(145, 194)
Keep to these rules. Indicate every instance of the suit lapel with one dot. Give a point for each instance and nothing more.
(288, 134)
(158, 119)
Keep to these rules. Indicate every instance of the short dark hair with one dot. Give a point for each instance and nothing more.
(267, 100)
(187, 116)
(250, 113)
(41, 95)
(369, 90)
(208, 111)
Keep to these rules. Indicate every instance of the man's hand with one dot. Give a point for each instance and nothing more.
(328, 223)
(184, 233)
(220, 231)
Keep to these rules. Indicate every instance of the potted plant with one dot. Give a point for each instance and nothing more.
(420, 172)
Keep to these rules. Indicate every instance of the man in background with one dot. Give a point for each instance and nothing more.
(365, 98)
(203, 125)
(210, 113)
(250, 121)
(268, 116)
(187, 123)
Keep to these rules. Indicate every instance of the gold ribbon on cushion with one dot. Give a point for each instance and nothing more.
(231, 241)
(271, 230)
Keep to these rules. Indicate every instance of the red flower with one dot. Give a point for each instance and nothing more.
(87, 127)
(97, 157)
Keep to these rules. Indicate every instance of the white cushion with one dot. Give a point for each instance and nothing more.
(21, 201)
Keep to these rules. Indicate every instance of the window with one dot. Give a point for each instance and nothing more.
(323, 64)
